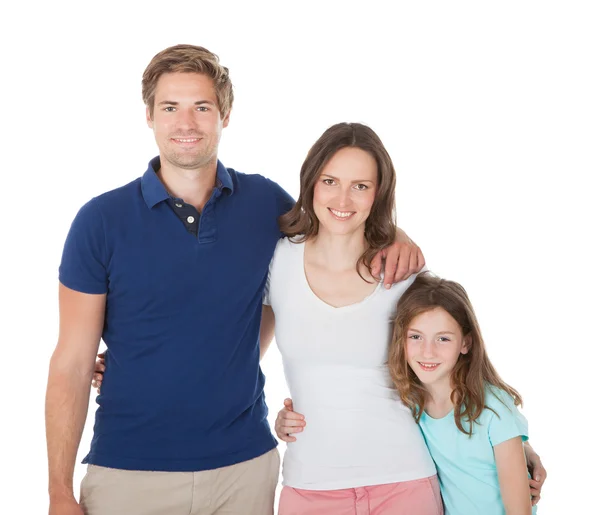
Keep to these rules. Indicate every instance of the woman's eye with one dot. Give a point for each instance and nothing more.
(361, 187)
(329, 182)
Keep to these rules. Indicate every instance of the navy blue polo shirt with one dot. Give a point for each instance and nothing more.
(183, 389)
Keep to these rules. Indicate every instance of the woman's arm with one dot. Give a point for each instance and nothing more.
(267, 329)
(512, 475)
(537, 471)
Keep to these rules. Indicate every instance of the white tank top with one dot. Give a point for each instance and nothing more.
(358, 432)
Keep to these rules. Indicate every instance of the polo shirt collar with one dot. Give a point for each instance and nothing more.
(155, 192)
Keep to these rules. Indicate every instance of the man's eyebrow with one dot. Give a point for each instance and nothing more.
(174, 103)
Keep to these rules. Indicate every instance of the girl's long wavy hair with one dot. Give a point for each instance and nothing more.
(473, 371)
(380, 226)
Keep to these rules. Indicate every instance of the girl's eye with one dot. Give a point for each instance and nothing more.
(444, 339)
(413, 337)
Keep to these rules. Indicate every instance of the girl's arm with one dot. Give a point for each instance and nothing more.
(512, 475)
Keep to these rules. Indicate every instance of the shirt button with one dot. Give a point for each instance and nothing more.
(190, 219)
(178, 205)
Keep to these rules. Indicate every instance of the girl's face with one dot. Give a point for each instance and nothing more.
(345, 191)
(433, 344)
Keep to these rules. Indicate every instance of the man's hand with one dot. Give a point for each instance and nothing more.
(65, 507)
(402, 259)
(288, 422)
(537, 472)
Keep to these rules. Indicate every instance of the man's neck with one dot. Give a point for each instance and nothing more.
(194, 186)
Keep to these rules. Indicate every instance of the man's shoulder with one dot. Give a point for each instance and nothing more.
(253, 180)
(119, 195)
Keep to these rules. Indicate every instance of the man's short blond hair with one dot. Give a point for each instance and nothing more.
(188, 59)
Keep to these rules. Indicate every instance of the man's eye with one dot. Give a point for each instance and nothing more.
(169, 109)
(202, 108)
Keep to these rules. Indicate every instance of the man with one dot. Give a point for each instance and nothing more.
(169, 271)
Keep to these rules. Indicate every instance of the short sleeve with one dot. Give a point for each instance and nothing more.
(508, 422)
(284, 200)
(83, 263)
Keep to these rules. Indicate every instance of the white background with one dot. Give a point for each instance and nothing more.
(490, 111)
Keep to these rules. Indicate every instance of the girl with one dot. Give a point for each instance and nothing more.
(468, 415)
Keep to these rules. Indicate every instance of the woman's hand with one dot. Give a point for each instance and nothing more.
(99, 371)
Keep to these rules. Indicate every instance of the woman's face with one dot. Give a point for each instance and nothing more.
(345, 191)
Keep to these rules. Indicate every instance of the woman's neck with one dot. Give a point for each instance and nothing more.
(337, 252)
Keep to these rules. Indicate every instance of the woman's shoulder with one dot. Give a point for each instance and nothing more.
(289, 245)
(286, 251)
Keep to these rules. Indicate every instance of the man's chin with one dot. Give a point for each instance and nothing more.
(188, 162)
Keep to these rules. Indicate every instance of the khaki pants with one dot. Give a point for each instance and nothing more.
(246, 488)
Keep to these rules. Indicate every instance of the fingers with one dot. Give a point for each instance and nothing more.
(539, 473)
(288, 404)
(403, 273)
(535, 489)
(391, 266)
(376, 264)
(420, 260)
(289, 422)
(102, 355)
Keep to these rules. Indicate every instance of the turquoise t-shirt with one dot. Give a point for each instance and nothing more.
(466, 466)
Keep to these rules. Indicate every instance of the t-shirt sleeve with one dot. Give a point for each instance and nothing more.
(84, 258)
(284, 200)
(508, 422)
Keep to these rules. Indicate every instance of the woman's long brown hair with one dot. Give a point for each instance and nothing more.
(472, 373)
(380, 226)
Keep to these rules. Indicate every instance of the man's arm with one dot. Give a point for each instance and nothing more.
(402, 259)
(267, 329)
(68, 392)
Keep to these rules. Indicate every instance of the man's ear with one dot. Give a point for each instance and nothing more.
(149, 120)
(226, 119)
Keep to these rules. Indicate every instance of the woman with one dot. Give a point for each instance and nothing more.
(362, 449)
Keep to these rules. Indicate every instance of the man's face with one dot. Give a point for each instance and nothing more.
(187, 123)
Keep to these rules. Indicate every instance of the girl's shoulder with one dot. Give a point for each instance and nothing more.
(503, 418)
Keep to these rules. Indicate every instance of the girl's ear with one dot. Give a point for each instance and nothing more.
(466, 345)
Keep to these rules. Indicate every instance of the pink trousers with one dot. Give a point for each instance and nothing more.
(419, 497)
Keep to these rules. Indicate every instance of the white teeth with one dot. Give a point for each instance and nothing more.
(428, 365)
(341, 214)
(187, 140)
